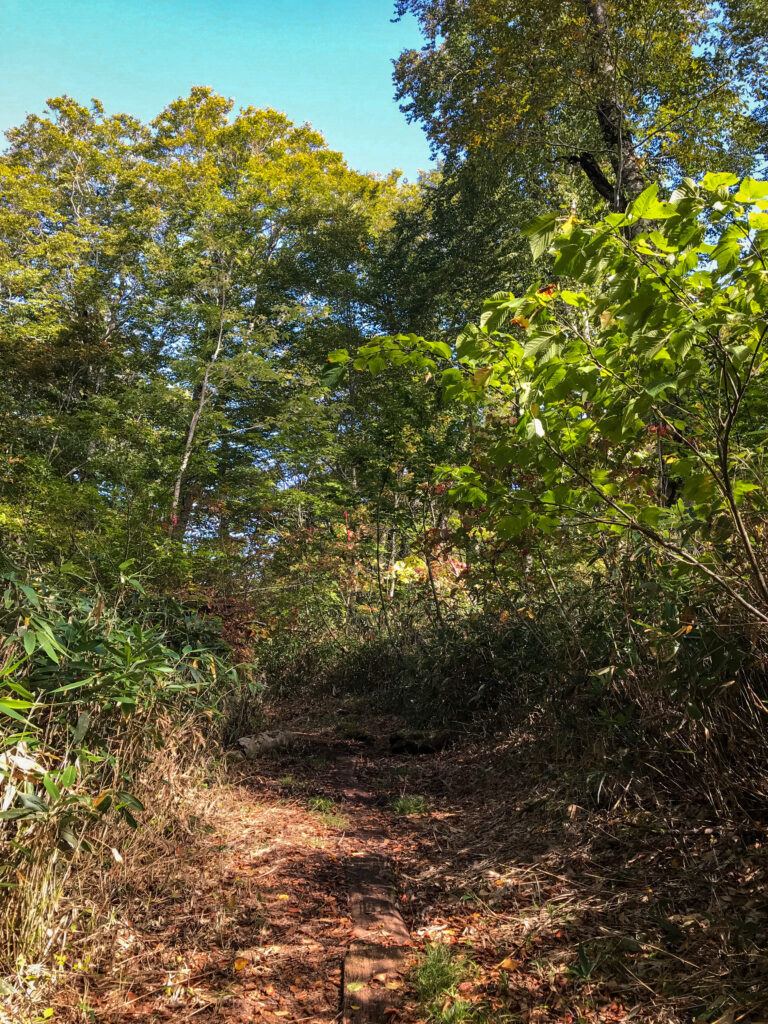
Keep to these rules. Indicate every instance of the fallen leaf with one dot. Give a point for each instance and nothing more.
(509, 964)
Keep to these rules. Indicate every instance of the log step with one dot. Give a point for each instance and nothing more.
(377, 958)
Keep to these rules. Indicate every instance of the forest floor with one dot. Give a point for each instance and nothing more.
(551, 911)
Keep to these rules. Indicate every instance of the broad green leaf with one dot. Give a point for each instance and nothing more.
(540, 233)
(751, 190)
(648, 206)
(53, 791)
(714, 180)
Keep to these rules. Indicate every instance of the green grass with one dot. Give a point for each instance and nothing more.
(410, 805)
(321, 804)
(436, 978)
(326, 809)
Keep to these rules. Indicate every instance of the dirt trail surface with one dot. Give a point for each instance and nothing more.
(283, 902)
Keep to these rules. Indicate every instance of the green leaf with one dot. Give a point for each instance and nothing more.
(751, 190)
(6, 708)
(46, 645)
(51, 788)
(31, 596)
(440, 348)
(535, 428)
(714, 180)
(742, 487)
(648, 206)
(34, 803)
(83, 722)
(540, 233)
(333, 375)
(68, 836)
(128, 800)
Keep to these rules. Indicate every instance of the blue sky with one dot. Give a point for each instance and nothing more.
(326, 62)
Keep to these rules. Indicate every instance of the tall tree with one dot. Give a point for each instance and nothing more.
(624, 90)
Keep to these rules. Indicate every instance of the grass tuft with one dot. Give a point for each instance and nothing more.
(326, 809)
(410, 805)
(436, 979)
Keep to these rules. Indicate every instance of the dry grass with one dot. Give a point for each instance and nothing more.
(63, 912)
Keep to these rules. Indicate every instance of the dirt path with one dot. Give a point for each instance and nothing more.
(284, 888)
(278, 904)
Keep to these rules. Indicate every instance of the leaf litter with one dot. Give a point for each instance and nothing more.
(568, 912)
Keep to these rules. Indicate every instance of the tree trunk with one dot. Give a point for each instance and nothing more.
(202, 398)
(627, 170)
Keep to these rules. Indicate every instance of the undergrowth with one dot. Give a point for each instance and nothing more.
(673, 707)
(410, 805)
(111, 705)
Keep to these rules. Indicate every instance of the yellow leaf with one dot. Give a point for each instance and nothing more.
(509, 964)
(240, 964)
(283, 896)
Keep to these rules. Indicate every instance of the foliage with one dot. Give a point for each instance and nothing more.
(410, 805)
(91, 684)
(555, 515)
(633, 405)
(437, 977)
(623, 91)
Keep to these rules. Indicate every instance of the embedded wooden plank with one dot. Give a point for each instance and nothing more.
(377, 959)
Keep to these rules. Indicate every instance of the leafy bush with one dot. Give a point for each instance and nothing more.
(91, 684)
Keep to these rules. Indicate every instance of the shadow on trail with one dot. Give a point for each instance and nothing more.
(648, 911)
(567, 913)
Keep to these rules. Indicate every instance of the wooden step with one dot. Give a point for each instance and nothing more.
(377, 959)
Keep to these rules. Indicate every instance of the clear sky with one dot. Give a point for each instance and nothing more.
(328, 62)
